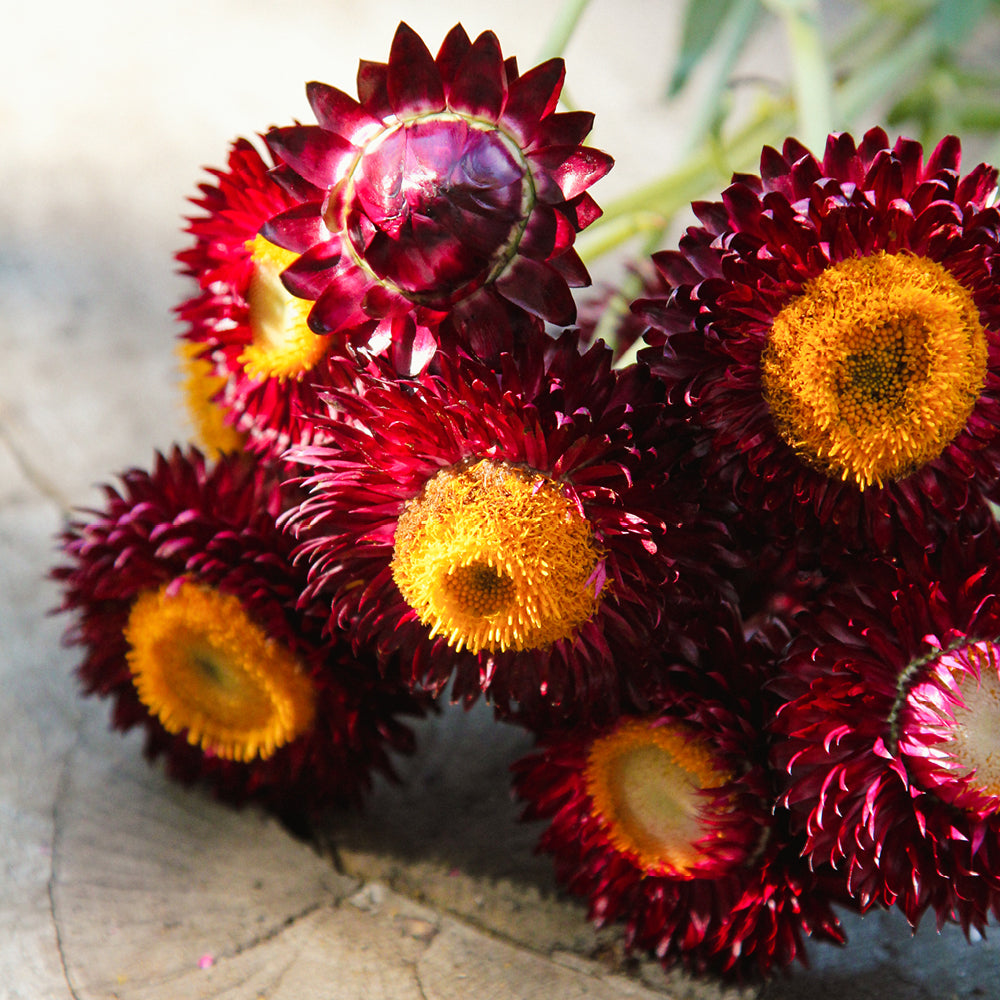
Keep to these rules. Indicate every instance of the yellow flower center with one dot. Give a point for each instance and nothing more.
(975, 745)
(874, 369)
(494, 557)
(283, 346)
(202, 666)
(213, 434)
(647, 783)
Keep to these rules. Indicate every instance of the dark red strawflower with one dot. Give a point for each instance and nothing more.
(515, 528)
(889, 735)
(664, 822)
(833, 324)
(242, 323)
(448, 197)
(186, 605)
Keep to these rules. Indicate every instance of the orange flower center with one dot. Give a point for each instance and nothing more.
(647, 783)
(874, 369)
(494, 557)
(282, 344)
(203, 667)
(214, 435)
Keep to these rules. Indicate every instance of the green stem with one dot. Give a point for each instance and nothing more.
(559, 35)
(730, 40)
(811, 77)
(696, 175)
(861, 92)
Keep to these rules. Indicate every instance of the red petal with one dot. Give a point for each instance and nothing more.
(533, 96)
(947, 155)
(321, 157)
(334, 312)
(539, 238)
(480, 86)
(539, 289)
(414, 83)
(572, 169)
(572, 268)
(373, 91)
(297, 228)
(339, 112)
(581, 211)
(567, 129)
(308, 277)
(452, 52)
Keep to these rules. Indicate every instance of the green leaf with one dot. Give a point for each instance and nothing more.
(701, 22)
(954, 22)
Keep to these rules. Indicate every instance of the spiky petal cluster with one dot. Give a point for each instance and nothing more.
(889, 725)
(188, 525)
(596, 443)
(260, 359)
(864, 226)
(743, 909)
(447, 198)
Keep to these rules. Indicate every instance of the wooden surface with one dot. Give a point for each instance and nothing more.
(115, 883)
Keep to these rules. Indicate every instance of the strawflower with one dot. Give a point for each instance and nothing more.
(448, 197)
(185, 602)
(515, 528)
(663, 821)
(888, 734)
(247, 351)
(833, 324)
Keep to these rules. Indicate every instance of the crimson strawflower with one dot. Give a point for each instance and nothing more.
(448, 197)
(833, 324)
(515, 527)
(888, 736)
(664, 821)
(247, 351)
(186, 604)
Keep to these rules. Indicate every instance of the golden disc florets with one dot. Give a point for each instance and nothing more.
(647, 783)
(495, 557)
(283, 346)
(203, 667)
(874, 369)
(200, 384)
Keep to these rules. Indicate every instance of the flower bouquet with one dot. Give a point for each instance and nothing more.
(729, 553)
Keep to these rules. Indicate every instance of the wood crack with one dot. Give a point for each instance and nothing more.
(62, 787)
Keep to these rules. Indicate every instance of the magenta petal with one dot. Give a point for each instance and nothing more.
(582, 211)
(321, 157)
(453, 49)
(573, 169)
(339, 112)
(297, 228)
(381, 302)
(480, 87)
(574, 272)
(414, 83)
(373, 89)
(539, 238)
(334, 312)
(296, 187)
(569, 128)
(538, 289)
(307, 277)
(947, 155)
(532, 97)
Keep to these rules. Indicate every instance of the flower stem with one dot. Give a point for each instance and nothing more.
(566, 22)
(811, 77)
